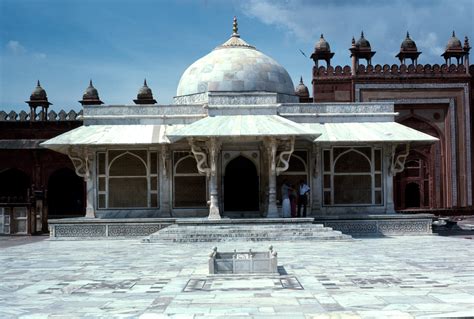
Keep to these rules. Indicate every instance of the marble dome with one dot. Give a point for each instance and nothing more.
(235, 66)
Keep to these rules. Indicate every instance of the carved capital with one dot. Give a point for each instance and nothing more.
(214, 146)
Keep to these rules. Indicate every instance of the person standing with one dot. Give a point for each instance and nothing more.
(302, 198)
(285, 198)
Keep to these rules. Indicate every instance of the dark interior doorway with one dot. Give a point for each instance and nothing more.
(65, 194)
(241, 185)
(14, 185)
(412, 195)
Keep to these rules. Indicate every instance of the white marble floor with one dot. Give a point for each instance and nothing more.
(400, 277)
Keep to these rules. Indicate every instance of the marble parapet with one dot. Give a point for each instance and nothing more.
(379, 225)
(96, 228)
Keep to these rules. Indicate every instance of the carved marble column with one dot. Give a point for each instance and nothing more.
(272, 210)
(316, 179)
(213, 146)
(83, 161)
(165, 175)
(396, 164)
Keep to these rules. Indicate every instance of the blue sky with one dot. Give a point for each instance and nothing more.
(118, 43)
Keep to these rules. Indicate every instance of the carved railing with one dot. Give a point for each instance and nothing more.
(23, 116)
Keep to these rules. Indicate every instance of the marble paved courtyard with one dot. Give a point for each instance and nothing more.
(399, 277)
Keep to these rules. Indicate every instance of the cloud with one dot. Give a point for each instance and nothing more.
(15, 47)
(384, 23)
(431, 44)
(40, 55)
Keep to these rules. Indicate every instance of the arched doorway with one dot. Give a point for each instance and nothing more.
(412, 195)
(65, 194)
(241, 186)
(14, 185)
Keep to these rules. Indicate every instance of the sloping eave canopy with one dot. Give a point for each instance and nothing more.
(369, 132)
(97, 135)
(243, 126)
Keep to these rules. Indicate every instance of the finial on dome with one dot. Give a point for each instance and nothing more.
(91, 96)
(353, 41)
(322, 37)
(38, 83)
(362, 34)
(145, 95)
(302, 91)
(408, 35)
(235, 28)
(454, 34)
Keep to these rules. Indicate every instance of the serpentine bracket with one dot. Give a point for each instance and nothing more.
(81, 162)
(398, 161)
(284, 158)
(201, 158)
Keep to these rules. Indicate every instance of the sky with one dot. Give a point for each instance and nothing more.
(118, 43)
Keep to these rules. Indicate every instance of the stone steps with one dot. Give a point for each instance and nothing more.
(245, 232)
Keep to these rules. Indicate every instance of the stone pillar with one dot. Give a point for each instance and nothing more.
(214, 147)
(84, 163)
(165, 178)
(272, 210)
(389, 153)
(89, 168)
(315, 180)
(90, 210)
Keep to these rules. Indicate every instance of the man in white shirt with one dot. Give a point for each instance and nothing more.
(302, 198)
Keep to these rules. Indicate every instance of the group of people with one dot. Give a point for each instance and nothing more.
(294, 198)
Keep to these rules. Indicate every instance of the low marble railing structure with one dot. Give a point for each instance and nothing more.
(243, 262)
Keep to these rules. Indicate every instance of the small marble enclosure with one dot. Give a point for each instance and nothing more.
(243, 262)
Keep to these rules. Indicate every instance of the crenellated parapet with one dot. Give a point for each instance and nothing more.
(394, 70)
(52, 116)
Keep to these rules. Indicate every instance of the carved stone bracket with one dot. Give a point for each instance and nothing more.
(398, 160)
(81, 159)
(201, 158)
(284, 157)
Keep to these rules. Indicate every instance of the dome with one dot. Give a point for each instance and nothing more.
(322, 45)
(408, 44)
(38, 94)
(144, 92)
(301, 90)
(90, 93)
(145, 95)
(363, 43)
(454, 43)
(235, 66)
(91, 96)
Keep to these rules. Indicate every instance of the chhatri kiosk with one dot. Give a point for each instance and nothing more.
(236, 130)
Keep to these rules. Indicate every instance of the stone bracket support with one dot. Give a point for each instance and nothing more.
(83, 160)
(213, 147)
(284, 157)
(398, 161)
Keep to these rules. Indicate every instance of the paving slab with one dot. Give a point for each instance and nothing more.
(391, 277)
